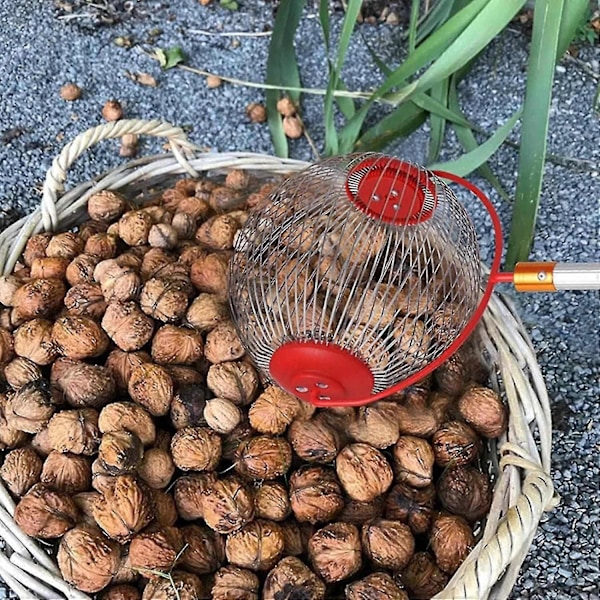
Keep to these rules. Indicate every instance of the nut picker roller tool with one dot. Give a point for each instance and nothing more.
(362, 275)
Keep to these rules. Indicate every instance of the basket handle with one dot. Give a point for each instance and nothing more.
(475, 578)
(57, 173)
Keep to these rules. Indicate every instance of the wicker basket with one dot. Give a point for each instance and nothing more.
(520, 460)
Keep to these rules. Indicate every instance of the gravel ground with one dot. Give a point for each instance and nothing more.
(41, 52)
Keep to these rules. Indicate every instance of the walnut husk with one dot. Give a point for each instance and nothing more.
(334, 551)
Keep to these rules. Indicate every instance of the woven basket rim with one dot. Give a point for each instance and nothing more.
(523, 489)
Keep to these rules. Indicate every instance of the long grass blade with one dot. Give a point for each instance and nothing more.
(282, 67)
(413, 23)
(471, 161)
(538, 92)
(438, 92)
(572, 15)
(434, 18)
(428, 51)
(490, 21)
(401, 122)
(331, 137)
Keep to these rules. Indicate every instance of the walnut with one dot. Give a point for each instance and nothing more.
(413, 506)
(227, 505)
(152, 387)
(67, 245)
(121, 592)
(125, 508)
(128, 416)
(418, 419)
(388, 544)
(376, 424)
(38, 298)
(465, 491)
(257, 546)
(120, 452)
(157, 468)
(20, 470)
(6, 346)
(102, 245)
(81, 269)
(188, 493)
(29, 409)
(157, 550)
(184, 225)
(206, 312)
(21, 371)
(36, 247)
(187, 407)
(223, 344)
(155, 260)
(79, 337)
(339, 418)
(121, 364)
(218, 232)
(177, 346)
(119, 283)
(451, 540)
(45, 513)
(86, 300)
(360, 512)
(9, 284)
(85, 502)
(484, 411)
(334, 551)
(85, 385)
(376, 586)
(134, 227)
(179, 586)
(165, 513)
(273, 411)
(223, 199)
(89, 228)
(232, 441)
(413, 461)
(315, 494)
(422, 577)
(127, 326)
(69, 473)
(222, 415)
(210, 274)
(106, 205)
(87, 559)
(53, 267)
(453, 375)
(125, 573)
(363, 472)
(163, 235)
(455, 443)
(314, 440)
(236, 381)
(196, 207)
(271, 501)
(183, 375)
(263, 457)
(200, 555)
(164, 300)
(75, 431)
(233, 583)
(159, 214)
(291, 578)
(196, 448)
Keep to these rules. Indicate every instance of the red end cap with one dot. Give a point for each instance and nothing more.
(320, 373)
(391, 190)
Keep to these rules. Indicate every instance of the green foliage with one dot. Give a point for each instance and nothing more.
(170, 57)
(442, 45)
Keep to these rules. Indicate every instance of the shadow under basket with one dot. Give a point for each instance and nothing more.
(519, 461)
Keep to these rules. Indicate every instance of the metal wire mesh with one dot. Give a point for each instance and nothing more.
(318, 264)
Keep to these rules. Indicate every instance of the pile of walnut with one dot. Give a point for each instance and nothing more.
(139, 438)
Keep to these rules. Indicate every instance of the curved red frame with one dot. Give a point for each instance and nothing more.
(495, 277)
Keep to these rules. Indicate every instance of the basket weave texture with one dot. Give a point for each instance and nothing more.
(520, 459)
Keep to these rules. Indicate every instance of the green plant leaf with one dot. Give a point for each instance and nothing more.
(331, 136)
(413, 23)
(401, 122)
(486, 25)
(434, 18)
(471, 161)
(170, 57)
(282, 67)
(428, 51)
(547, 19)
(229, 4)
(438, 92)
(573, 15)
